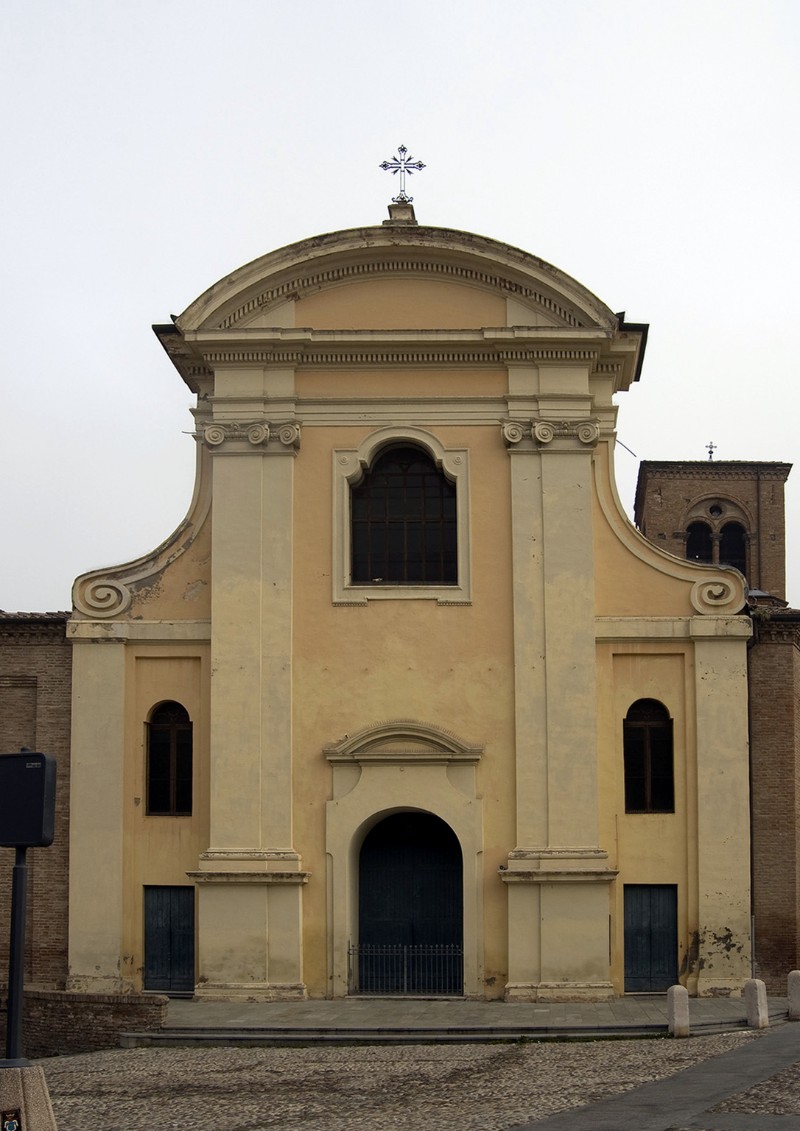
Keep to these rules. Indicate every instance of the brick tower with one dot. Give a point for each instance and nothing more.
(728, 512)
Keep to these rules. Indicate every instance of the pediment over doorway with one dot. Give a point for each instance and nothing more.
(402, 740)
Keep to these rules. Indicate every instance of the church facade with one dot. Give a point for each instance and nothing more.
(406, 704)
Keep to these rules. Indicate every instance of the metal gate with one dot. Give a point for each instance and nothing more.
(411, 920)
(398, 969)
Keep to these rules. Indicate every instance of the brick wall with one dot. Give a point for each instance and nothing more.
(56, 1022)
(35, 697)
(774, 675)
(666, 492)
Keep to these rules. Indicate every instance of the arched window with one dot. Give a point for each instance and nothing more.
(733, 546)
(169, 761)
(648, 754)
(698, 542)
(403, 522)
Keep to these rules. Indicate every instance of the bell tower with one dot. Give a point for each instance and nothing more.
(727, 512)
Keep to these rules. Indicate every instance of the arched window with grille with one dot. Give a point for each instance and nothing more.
(733, 546)
(648, 755)
(698, 542)
(403, 522)
(169, 761)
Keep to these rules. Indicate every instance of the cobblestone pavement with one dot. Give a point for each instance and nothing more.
(485, 1087)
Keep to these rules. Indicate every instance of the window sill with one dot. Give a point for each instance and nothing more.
(363, 594)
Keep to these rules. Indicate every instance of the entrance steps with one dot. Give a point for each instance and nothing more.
(403, 1021)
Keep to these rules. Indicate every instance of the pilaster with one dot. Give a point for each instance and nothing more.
(96, 805)
(721, 958)
(554, 638)
(249, 880)
(557, 876)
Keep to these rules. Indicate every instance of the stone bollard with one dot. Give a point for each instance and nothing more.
(25, 1100)
(793, 982)
(678, 1011)
(755, 997)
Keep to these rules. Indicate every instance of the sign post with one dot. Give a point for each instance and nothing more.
(16, 958)
(27, 819)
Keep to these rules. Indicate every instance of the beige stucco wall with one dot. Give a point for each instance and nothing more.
(389, 304)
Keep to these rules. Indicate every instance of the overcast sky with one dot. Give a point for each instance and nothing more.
(649, 149)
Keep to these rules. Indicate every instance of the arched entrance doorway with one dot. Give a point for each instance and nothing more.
(410, 913)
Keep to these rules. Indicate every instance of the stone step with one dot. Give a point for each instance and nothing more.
(183, 1038)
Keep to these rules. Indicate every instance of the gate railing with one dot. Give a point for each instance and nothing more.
(394, 968)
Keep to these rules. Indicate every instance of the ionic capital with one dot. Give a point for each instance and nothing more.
(537, 434)
(251, 436)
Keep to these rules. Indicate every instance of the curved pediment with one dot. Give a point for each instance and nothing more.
(402, 740)
(481, 281)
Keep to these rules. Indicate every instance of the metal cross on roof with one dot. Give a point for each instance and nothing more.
(402, 165)
(711, 448)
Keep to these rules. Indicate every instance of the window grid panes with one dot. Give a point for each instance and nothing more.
(403, 523)
(648, 756)
(169, 761)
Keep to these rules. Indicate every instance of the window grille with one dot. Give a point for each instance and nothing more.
(403, 522)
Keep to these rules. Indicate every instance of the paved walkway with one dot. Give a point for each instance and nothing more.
(685, 1101)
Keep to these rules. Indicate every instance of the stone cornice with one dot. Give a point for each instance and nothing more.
(303, 346)
(640, 629)
(338, 258)
(295, 287)
(419, 358)
(33, 627)
(780, 626)
(160, 631)
(249, 877)
(567, 875)
(201, 352)
(714, 469)
(197, 357)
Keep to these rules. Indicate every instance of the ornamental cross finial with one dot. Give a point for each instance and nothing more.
(402, 165)
(712, 447)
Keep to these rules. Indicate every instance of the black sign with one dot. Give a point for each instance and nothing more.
(27, 801)
(11, 1120)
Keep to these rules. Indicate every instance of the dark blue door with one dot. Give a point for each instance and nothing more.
(651, 937)
(411, 919)
(169, 939)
